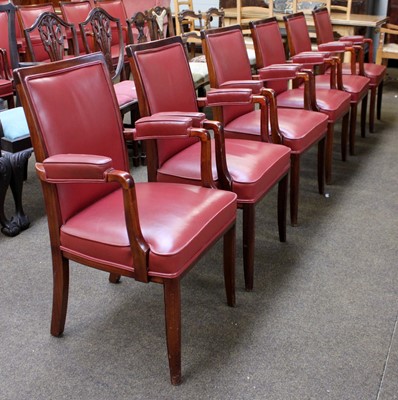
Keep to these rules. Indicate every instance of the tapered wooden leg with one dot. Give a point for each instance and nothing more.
(172, 303)
(329, 153)
(60, 293)
(248, 244)
(344, 136)
(229, 265)
(379, 99)
(321, 165)
(364, 107)
(294, 188)
(114, 278)
(353, 124)
(372, 108)
(283, 188)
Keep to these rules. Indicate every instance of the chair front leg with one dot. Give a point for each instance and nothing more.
(321, 165)
(353, 123)
(172, 303)
(283, 188)
(294, 188)
(60, 292)
(329, 153)
(379, 99)
(229, 264)
(364, 107)
(372, 108)
(249, 226)
(344, 137)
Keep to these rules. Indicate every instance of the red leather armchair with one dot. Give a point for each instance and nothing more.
(357, 86)
(270, 53)
(97, 215)
(375, 72)
(298, 129)
(248, 168)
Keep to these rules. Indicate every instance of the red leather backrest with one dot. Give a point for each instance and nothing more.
(75, 13)
(324, 29)
(230, 62)
(28, 16)
(167, 83)
(76, 111)
(270, 44)
(133, 6)
(4, 42)
(299, 37)
(116, 9)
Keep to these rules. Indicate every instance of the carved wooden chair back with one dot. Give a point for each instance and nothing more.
(100, 26)
(160, 22)
(214, 18)
(27, 16)
(75, 12)
(138, 30)
(387, 49)
(52, 31)
(180, 5)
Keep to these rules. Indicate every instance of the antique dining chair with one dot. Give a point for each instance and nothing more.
(27, 15)
(307, 7)
(138, 30)
(15, 145)
(52, 31)
(375, 72)
(160, 22)
(250, 169)
(191, 35)
(334, 103)
(229, 66)
(75, 12)
(181, 5)
(99, 29)
(97, 215)
(387, 48)
(15, 151)
(356, 85)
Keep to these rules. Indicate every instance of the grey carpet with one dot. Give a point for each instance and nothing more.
(320, 324)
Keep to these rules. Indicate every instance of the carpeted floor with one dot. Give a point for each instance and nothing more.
(320, 324)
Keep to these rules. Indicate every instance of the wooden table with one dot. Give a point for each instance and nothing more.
(340, 24)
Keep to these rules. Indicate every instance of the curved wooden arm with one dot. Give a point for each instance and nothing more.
(273, 135)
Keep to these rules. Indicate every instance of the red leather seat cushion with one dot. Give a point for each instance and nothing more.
(254, 167)
(334, 103)
(374, 72)
(300, 128)
(356, 85)
(125, 92)
(177, 221)
(6, 88)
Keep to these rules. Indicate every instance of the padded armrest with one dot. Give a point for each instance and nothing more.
(76, 168)
(163, 125)
(334, 47)
(356, 39)
(255, 86)
(311, 57)
(222, 97)
(280, 71)
(197, 117)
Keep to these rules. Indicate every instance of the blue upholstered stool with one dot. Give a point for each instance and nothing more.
(15, 150)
